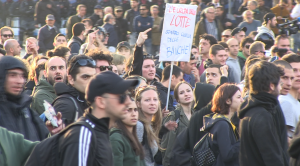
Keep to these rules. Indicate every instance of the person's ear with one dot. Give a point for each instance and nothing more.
(100, 102)
(173, 77)
(70, 80)
(45, 74)
(138, 104)
(272, 87)
(228, 101)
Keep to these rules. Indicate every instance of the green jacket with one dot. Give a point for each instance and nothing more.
(43, 91)
(71, 21)
(240, 54)
(122, 150)
(168, 140)
(14, 149)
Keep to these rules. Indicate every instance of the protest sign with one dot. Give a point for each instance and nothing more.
(178, 31)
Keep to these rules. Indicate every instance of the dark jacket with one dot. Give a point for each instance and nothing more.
(294, 149)
(113, 39)
(64, 104)
(260, 133)
(137, 62)
(94, 17)
(129, 16)
(27, 9)
(203, 94)
(163, 93)
(29, 86)
(225, 137)
(242, 63)
(146, 23)
(74, 44)
(71, 21)
(121, 27)
(200, 29)
(41, 11)
(123, 152)
(46, 37)
(15, 112)
(80, 140)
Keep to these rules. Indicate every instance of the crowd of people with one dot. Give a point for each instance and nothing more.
(236, 102)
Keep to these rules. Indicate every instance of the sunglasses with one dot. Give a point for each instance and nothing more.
(122, 98)
(226, 36)
(103, 68)
(83, 62)
(8, 35)
(247, 46)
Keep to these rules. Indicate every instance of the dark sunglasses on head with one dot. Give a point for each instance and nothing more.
(83, 62)
(225, 35)
(247, 46)
(103, 68)
(7, 35)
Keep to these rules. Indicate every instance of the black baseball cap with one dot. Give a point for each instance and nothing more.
(123, 44)
(108, 82)
(268, 16)
(98, 7)
(237, 30)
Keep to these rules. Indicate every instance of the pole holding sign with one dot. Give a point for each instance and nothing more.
(177, 35)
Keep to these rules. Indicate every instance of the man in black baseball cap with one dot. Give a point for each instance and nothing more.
(98, 14)
(239, 33)
(123, 48)
(270, 22)
(107, 93)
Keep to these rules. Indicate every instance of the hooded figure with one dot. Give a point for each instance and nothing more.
(15, 112)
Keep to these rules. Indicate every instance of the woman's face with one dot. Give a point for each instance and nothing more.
(149, 102)
(124, 51)
(132, 115)
(185, 94)
(148, 69)
(236, 101)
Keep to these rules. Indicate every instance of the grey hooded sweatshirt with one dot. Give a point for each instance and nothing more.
(264, 29)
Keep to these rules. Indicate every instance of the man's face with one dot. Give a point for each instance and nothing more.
(204, 46)
(210, 15)
(31, 44)
(50, 22)
(195, 52)
(233, 46)
(87, 26)
(82, 11)
(154, 11)
(115, 69)
(119, 13)
(273, 22)
(112, 20)
(219, 12)
(260, 2)
(14, 82)
(124, 51)
(240, 36)
(251, 6)
(56, 71)
(213, 76)
(148, 69)
(175, 80)
(133, 4)
(113, 108)
(16, 48)
(284, 43)
(248, 16)
(220, 58)
(82, 78)
(101, 63)
(188, 66)
(121, 69)
(226, 35)
(143, 10)
(245, 49)
(296, 81)
(5, 36)
(286, 81)
(98, 11)
(60, 41)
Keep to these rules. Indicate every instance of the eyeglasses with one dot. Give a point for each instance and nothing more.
(122, 98)
(10, 35)
(83, 62)
(103, 68)
(226, 36)
(247, 46)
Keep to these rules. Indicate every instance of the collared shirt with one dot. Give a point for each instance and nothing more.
(212, 28)
(50, 27)
(235, 69)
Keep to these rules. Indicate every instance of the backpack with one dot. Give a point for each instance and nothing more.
(46, 153)
(203, 153)
(75, 104)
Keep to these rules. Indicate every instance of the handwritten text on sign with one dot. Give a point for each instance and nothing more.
(177, 34)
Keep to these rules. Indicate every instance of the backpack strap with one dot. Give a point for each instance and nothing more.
(177, 116)
(73, 100)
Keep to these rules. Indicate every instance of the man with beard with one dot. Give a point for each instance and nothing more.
(269, 23)
(260, 131)
(55, 72)
(289, 102)
(245, 47)
(5, 34)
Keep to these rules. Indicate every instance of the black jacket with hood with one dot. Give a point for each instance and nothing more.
(64, 104)
(294, 149)
(41, 11)
(15, 112)
(224, 137)
(262, 139)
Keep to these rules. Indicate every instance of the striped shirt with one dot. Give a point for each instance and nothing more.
(212, 28)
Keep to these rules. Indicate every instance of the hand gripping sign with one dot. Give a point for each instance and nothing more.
(178, 31)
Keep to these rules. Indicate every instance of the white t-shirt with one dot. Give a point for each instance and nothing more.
(296, 11)
(291, 111)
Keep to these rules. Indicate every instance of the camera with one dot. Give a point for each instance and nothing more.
(289, 27)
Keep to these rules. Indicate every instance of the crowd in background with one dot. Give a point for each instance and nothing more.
(236, 102)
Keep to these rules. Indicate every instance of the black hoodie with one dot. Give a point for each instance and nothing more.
(64, 104)
(262, 139)
(294, 149)
(15, 112)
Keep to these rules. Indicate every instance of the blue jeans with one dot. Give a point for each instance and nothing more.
(148, 45)
(296, 38)
(132, 38)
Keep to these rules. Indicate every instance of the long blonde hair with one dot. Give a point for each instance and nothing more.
(152, 133)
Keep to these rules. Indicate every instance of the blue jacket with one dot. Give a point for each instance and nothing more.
(74, 44)
(113, 39)
(144, 24)
(46, 38)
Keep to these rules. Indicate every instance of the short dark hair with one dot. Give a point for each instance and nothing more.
(254, 33)
(214, 49)
(144, 6)
(176, 96)
(49, 53)
(222, 94)
(58, 35)
(262, 74)
(225, 45)
(77, 29)
(291, 58)
(256, 46)
(79, 6)
(212, 40)
(282, 63)
(193, 46)
(75, 66)
(167, 70)
(96, 54)
(245, 41)
(220, 7)
(61, 51)
(215, 66)
(251, 60)
(89, 21)
(39, 68)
